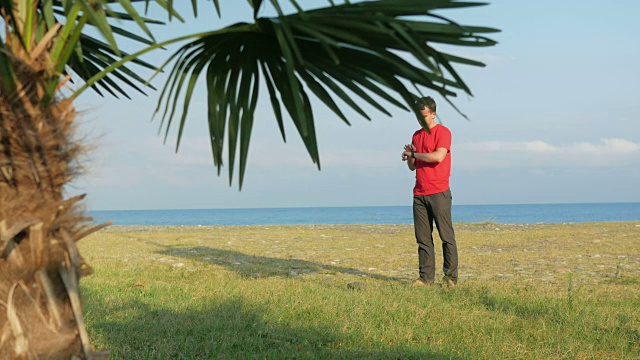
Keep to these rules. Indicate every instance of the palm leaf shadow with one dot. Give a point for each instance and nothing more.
(261, 266)
(230, 329)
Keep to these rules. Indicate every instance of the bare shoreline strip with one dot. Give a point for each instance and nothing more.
(458, 225)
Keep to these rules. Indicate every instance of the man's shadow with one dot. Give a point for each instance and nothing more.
(261, 266)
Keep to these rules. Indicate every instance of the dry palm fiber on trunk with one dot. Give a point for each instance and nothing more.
(40, 309)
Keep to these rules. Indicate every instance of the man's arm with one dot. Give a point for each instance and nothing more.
(411, 163)
(432, 157)
(406, 156)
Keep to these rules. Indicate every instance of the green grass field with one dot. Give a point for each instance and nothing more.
(342, 292)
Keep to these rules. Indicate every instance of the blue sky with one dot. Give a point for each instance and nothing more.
(554, 119)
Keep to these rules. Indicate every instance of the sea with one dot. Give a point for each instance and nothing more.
(499, 214)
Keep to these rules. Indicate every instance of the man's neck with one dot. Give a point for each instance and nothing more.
(430, 124)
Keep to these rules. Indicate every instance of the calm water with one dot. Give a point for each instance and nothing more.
(504, 214)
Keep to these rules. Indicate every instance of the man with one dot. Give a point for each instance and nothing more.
(429, 154)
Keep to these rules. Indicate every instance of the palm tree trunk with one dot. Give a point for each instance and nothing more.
(40, 266)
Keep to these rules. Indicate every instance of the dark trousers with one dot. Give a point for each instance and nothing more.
(427, 210)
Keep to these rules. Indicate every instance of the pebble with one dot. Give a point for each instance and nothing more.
(178, 265)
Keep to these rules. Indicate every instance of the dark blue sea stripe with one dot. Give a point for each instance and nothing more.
(502, 214)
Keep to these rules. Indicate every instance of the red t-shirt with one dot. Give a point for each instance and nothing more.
(432, 178)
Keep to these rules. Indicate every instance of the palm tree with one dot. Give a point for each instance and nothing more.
(53, 50)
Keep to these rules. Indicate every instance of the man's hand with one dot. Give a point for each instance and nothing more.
(406, 154)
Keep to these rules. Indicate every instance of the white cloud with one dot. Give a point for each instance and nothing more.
(148, 160)
(613, 152)
(512, 146)
(613, 146)
(539, 146)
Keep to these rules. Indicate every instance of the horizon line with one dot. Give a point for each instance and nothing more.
(358, 206)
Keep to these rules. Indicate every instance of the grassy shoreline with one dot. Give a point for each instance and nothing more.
(526, 291)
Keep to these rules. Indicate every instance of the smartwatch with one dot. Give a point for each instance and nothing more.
(413, 154)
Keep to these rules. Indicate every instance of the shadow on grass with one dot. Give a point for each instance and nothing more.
(261, 266)
(232, 329)
(524, 309)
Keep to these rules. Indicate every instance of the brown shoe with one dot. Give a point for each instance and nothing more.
(419, 282)
(448, 282)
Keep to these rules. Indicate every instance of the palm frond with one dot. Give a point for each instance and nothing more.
(7, 76)
(90, 56)
(349, 52)
(76, 43)
(255, 4)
